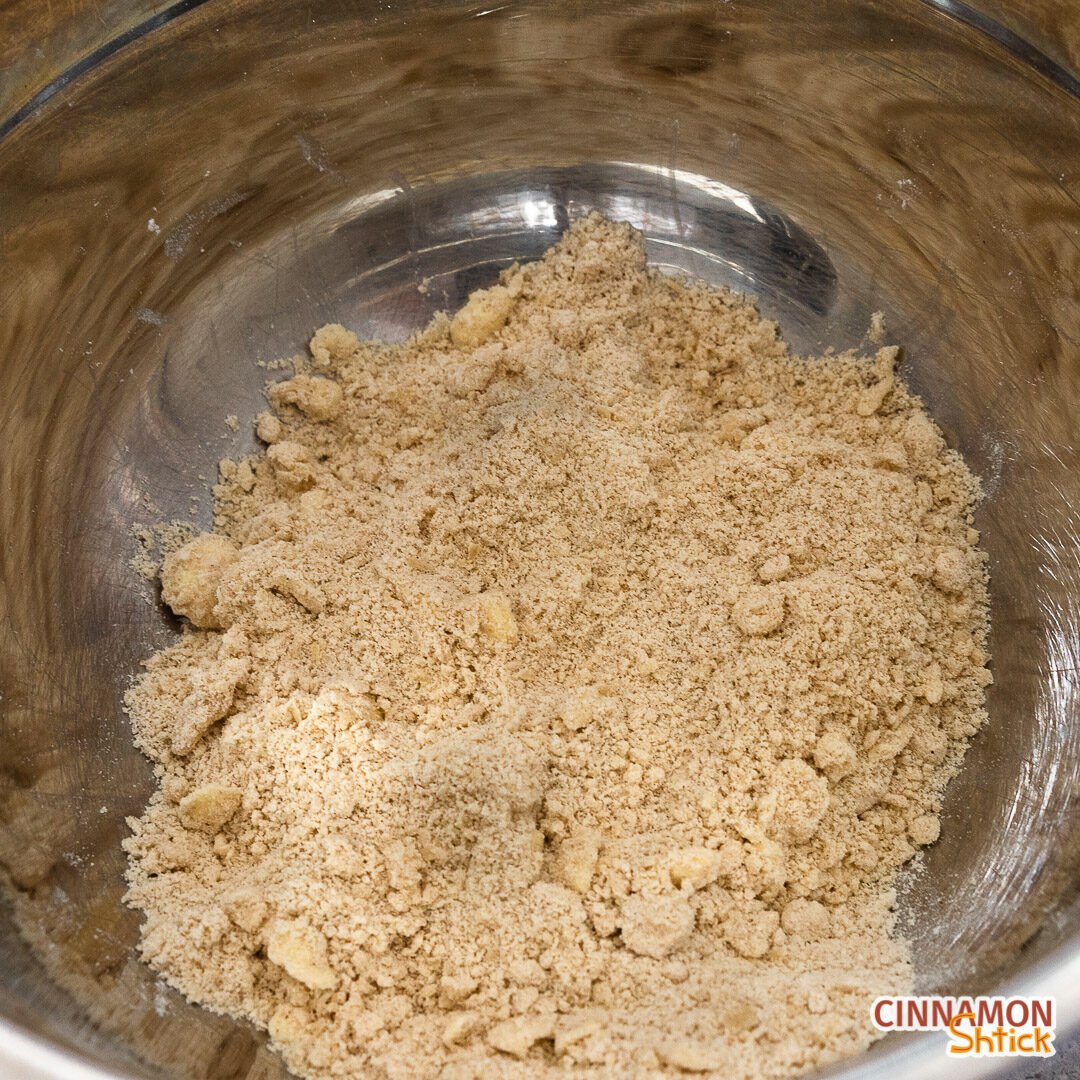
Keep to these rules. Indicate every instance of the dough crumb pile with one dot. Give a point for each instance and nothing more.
(561, 692)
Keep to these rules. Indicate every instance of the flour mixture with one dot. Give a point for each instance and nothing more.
(562, 691)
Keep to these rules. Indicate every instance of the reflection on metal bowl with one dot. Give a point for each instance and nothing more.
(198, 200)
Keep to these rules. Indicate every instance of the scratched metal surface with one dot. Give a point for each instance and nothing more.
(199, 201)
(1065, 1065)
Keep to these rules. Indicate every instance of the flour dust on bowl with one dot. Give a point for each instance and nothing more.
(188, 210)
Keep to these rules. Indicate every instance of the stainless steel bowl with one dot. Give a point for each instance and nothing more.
(219, 181)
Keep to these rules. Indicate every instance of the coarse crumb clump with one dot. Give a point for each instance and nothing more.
(562, 691)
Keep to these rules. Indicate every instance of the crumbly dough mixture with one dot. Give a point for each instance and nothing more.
(562, 691)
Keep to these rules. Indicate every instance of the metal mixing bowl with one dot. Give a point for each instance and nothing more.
(230, 175)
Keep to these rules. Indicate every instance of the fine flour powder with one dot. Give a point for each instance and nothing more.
(563, 690)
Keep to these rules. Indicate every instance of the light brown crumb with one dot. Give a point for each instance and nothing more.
(485, 313)
(575, 863)
(694, 867)
(317, 398)
(925, 829)
(333, 344)
(775, 569)
(687, 1056)
(209, 807)
(496, 617)
(268, 427)
(518, 1035)
(190, 576)
(834, 755)
(655, 925)
(759, 610)
(459, 1026)
(563, 690)
(804, 918)
(301, 951)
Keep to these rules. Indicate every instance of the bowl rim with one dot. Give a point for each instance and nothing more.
(26, 1055)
